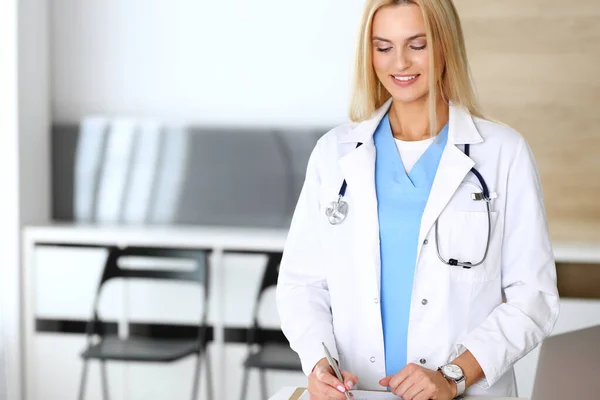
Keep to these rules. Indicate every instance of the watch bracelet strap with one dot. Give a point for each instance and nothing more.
(460, 387)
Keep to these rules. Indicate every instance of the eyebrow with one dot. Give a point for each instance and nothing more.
(413, 37)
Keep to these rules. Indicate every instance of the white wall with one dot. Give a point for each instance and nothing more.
(33, 185)
(24, 155)
(9, 219)
(34, 112)
(225, 62)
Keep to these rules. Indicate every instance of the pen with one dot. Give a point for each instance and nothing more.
(335, 368)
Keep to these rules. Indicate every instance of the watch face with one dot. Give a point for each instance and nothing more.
(452, 371)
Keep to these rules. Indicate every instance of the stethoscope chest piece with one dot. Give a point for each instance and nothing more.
(336, 211)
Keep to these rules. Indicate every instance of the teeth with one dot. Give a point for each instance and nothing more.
(405, 78)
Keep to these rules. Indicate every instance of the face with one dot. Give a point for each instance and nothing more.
(400, 54)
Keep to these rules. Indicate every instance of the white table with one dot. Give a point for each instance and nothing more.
(286, 392)
(163, 236)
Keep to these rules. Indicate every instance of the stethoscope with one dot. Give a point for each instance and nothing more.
(337, 211)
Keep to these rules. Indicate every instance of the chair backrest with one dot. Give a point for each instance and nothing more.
(199, 274)
(112, 270)
(269, 279)
(270, 274)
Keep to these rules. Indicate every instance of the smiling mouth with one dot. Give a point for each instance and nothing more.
(407, 78)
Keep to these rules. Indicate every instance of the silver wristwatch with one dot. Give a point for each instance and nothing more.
(454, 373)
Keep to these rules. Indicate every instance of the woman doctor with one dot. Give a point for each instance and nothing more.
(415, 273)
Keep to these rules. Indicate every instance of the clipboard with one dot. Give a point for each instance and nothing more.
(297, 393)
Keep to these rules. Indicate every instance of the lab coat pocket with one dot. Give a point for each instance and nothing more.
(467, 240)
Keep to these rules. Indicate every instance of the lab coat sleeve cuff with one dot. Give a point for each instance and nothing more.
(478, 347)
(311, 354)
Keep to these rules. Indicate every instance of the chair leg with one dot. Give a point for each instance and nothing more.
(105, 394)
(196, 378)
(263, 384)
(209, 381)
(83, 380)
(245, 383)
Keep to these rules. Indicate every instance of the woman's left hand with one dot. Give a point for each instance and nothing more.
(414, 382)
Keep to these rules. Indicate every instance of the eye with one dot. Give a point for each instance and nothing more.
(383, 50)
(418, 47)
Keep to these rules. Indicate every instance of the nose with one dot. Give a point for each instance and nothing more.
(402, 61)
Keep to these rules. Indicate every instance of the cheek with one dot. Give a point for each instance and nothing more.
(379, 62)
(422, 59)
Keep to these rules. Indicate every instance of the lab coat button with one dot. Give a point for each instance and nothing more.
(375, 300)
(372, 359)
(425, 241)
(424, 302)
(423, 361)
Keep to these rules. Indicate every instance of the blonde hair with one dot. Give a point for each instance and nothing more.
(445, 38)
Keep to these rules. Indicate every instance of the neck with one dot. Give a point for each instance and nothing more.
(410, 121)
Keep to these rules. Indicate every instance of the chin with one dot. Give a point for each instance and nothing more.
(404, 97)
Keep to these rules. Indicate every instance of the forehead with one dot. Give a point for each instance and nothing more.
(398, 22)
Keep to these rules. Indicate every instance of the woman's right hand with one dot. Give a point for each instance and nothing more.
(324, 385)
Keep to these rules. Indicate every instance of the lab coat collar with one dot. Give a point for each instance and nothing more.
(462, 129)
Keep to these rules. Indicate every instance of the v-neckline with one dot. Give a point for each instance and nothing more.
(419, 172)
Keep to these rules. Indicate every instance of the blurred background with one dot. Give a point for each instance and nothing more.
(188, 124)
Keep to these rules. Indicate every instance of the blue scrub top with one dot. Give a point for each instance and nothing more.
(401, 199)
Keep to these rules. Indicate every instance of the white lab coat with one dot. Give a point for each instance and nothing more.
(329, 280)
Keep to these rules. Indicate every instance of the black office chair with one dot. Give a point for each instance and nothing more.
(148, 349)
(265, 353)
